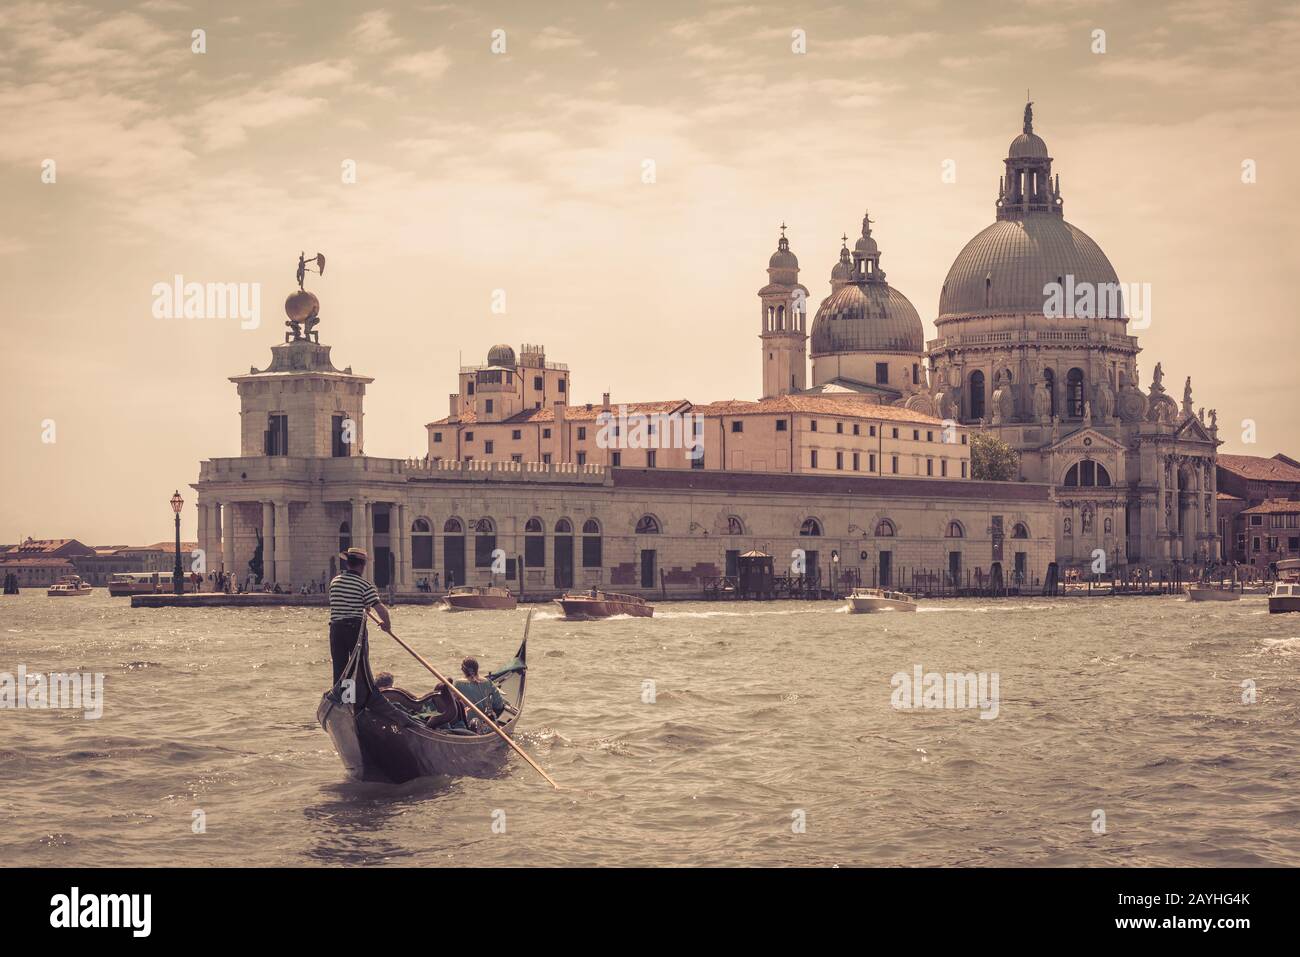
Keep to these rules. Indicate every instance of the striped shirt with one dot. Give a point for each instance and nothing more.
(350, 596)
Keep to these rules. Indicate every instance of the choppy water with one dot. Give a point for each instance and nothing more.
(1130, 706)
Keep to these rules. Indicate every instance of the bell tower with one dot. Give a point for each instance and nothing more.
(784, 324)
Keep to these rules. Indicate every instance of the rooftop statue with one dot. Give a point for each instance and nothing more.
(303, 307)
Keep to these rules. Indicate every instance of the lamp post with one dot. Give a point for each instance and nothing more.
(178, 585)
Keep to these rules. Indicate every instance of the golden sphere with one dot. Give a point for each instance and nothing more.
(301, 306)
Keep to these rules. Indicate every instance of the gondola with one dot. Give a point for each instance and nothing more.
(380, 739)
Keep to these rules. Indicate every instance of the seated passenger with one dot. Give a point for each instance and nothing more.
(383, 680)
(481, 692)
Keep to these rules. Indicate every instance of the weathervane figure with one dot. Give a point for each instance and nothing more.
(302, 306)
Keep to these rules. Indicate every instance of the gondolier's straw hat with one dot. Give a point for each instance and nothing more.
(355, 555)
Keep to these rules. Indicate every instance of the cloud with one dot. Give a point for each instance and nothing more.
(373, 32)
(424, 66)
(554, 38)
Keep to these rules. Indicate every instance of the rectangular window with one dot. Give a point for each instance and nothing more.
(616, 459)
(697, 460)
(780, 425)
(1257, 520)
(839, 460)
(469, 387)
(839, 428)
(814, 458)
(516, 434)
(437, 437)
(591, 551)
(341, 448)
(857, 429)
(489, 406)
(650, 459)
(381, 522)
(469, 436)
(516, 458)
(871, 431)
(737, 426)
(871, 462)
(546, 458)
(882, 372)
(895, 435)
(484, 545)
(916, 435)
(561, 385)
(277, 434)
(582, 458)
(929, 436)
(546, 433)
(537, 383)
(813, 426)
(582, 433)
(487, 447)
(856, 462)
(1293, 544)
(929, 466)
(894, 463)
(963, 469)
(535, 551)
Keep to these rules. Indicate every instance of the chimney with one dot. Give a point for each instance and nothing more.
(455, 403)
(604, 400)
(561, 433)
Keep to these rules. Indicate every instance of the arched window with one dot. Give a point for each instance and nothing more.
(1074, 394)
(885, 529)
(977, 395)
(1020, 530)
(591, 543)
(345, 537)
(1109, 526)
(735, 526)
(780, 318)
(564, 527)
(647, 525)
(954, 530)
(811, 527)
(453, 527)
(1049, 383)
(1087, 474)
(534, 544)
(485, 542)
(421, 544)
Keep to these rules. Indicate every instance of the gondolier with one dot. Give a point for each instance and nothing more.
(351, 594)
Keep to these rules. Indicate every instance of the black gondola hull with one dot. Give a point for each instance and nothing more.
(378, 741)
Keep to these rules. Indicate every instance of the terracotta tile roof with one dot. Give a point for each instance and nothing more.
(845, 405)
(840, 405)
(1225, 497)
(1259, 469)
(10, 562)
(1274, 506)
(161, 547)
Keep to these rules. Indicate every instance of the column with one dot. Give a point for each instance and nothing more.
(358, 523)
(268, 532)
(205, 534)
(283, 553)
(228, 537)
(368, 536)
(403, 547)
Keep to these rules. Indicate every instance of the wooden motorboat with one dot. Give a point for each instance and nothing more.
(1208, 592)
(586, 606)
(870, 600)
(480, 598)
(1286, 592)
(380, 738)
(69, 586)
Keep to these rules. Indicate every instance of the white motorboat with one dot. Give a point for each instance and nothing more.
(869, 600)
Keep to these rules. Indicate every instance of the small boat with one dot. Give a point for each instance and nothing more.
(1208, 592)
(869, 600)
(587, 606)
(380, 738)
(68, 586)
(1286, 592)
(480, 598)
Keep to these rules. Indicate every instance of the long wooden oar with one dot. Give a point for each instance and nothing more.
(470, 704)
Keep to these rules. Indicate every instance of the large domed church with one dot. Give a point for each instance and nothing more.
(1032, 345)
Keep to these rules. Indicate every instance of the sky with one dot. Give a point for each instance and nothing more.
(619, 170)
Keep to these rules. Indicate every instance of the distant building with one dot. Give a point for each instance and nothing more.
(1272, 531)
(1251, 482)
(39, 563)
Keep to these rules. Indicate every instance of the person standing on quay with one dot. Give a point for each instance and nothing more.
(351, 594)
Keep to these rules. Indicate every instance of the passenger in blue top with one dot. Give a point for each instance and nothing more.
(481, 692)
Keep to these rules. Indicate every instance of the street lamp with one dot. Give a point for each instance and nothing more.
(178, 503)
